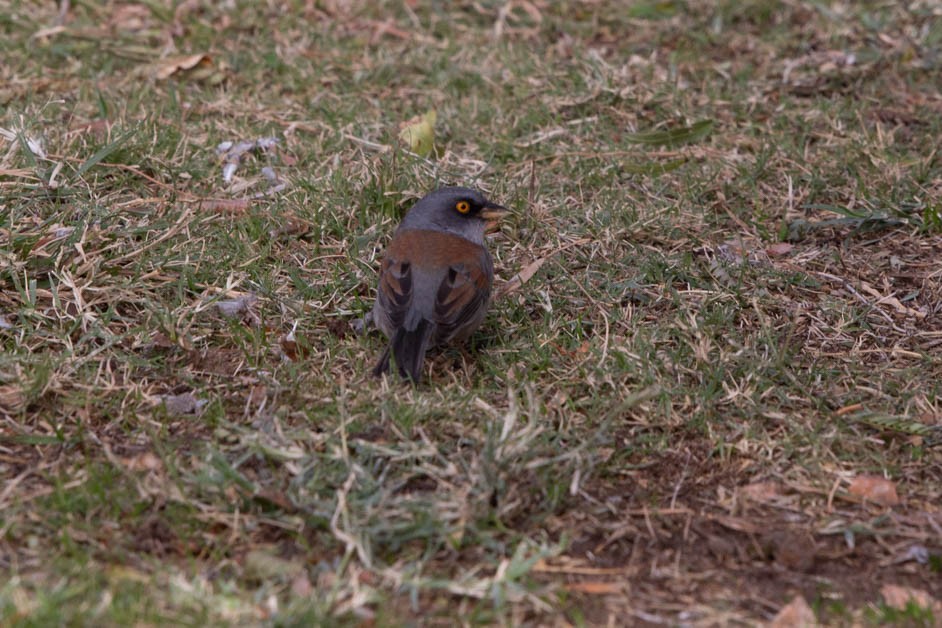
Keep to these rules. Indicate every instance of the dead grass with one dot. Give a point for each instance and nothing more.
(722, 307)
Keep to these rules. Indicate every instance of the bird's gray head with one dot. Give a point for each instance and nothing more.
(464, 212)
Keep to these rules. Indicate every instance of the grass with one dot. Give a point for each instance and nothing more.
(731, 209)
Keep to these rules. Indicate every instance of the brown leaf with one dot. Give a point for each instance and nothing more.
(737, 523)
(875, 489)
(900, 597)
(513, 284)
(595, 588)
(130, 17)
(779, 249)
(225, 205)
(12, 399)
(274, 498)
(794, 614)
(761, 491)
(167, 67)
(792, 548)
(161, 341)
(291, 226)
(295, 348)
(147, 461)
(257, 394)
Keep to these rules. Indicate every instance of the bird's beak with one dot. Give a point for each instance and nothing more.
(492, 212)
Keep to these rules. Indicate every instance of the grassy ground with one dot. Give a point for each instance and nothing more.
(733, 214)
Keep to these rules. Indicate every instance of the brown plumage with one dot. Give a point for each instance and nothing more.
(435, 280)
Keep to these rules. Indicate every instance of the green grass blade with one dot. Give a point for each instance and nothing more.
(103, 152)
(673, 137)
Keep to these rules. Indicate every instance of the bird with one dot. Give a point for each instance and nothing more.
(435, 278)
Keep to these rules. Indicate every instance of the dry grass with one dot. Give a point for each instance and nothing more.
(722, 306)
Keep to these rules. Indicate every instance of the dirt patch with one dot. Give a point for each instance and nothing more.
(660, 552)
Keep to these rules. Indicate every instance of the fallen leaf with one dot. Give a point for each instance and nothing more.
(892, 301)
(294, 348)
(145, 462)
(167, 67)
(274, 498)
(161, 341)
(795, 614)
(4, 323)
(292, 226)
(258, 393)
(779, 249)
(225, 205)
(514, 283)
(761, 491)
(130, 17)
(900, 597)
(791, 548)
(875, 489)
(419, 133)
(595, 588)
(12, 399)
(848, 409)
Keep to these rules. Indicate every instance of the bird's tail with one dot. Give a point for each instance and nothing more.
(407, 348)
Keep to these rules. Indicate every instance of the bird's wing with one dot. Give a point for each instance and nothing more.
(462, 295)
(395, 290)
(437, 277)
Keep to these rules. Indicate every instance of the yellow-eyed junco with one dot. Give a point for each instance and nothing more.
(435, 280)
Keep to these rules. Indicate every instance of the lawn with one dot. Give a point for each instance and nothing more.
(708, 390)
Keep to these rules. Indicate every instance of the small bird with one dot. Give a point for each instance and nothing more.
(435, 280)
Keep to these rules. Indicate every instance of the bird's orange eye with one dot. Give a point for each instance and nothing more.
(463, 206)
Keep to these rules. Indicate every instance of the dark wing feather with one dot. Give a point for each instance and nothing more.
(462, 296)
(395, 290)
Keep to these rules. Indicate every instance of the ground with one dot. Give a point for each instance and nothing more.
(707, 391)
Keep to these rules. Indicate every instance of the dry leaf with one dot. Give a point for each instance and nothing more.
(779, 249)
(145, 462)
(12, 399)
(419, 133)
(161, 341)
(761, 491)
(167, 67)
(899, 597)
(291, 226)
(795, 614)
(130, 17)
(513, 284)
(225, 205)
(875, 489)
(595, 588)
(257, 394)
(293, 348)
(793, 549)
